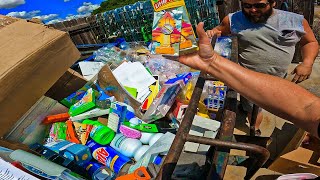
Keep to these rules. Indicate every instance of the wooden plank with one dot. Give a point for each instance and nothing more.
(77, 27)
(81, 34)
(89, 33)
(77, 39)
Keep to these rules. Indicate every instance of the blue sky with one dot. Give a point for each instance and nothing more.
(49, 11)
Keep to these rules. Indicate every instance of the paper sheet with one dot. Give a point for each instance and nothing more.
(9, 172)
(134, 75)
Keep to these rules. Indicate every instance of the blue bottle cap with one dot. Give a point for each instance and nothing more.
(157, 160)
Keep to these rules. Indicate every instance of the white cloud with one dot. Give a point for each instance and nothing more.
(7, 4)
(47, 17)
(66, 0)
(55, 21)
(87, 7)
(71, 16)
(24, 14)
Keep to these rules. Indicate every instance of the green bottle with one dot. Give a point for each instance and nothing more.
(100, 133)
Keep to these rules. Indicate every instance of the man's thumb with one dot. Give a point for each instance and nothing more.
(202, 35)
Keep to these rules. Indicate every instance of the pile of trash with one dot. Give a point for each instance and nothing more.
(125, 117)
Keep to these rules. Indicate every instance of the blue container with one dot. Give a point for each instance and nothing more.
(75, 152)
(108, 156)
(99, 172)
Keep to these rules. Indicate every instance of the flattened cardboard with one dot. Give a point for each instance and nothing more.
(297, 161)
(32, 58)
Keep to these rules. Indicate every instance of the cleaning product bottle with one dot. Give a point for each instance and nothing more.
(145, 137)
(150, 138)
(124, 145)
(140, 152)
(100, 133)
(99, 172)
(108, 156)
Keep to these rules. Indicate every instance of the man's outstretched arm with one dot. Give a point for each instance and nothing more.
(278, 96)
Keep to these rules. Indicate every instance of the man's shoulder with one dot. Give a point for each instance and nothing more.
(237, 13)
(235, 16)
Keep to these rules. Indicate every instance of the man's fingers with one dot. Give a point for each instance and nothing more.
(295, 78)
(202, 35)
(210, 33)
(301, 78)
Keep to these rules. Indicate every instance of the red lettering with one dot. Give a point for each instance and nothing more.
(102, 155)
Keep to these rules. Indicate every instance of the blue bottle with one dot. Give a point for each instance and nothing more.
(108, 156)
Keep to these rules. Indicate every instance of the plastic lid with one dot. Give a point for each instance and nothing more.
(157, 160)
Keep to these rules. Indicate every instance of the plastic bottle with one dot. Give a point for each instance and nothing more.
(124, 145)
(108, 156)
(100, 133)
(145, 137)
(140, 152)
(99, 172)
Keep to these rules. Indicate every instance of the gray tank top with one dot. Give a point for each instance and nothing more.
(267, 47)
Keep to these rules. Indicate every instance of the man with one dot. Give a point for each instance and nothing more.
(267, 39)
(282, 98)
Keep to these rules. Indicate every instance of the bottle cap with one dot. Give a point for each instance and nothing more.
(157, 160)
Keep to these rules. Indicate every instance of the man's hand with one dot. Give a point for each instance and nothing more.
(302, 72)
(213, 32)
(200, 60)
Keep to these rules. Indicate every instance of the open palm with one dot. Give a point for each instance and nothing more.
(201, 59)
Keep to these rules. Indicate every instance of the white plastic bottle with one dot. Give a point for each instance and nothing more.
(124, 145)
(145, 137)
(140, 152)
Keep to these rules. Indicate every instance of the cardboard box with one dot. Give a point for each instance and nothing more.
(300, 160)
(68, 83)
(32, 59)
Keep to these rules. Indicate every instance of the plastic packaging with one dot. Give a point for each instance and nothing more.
(223, 46)
(124, 145)
(109, 55)
(119, 112)
(165, 69)
(77, 152)
(155, 138)
(85, 104)
(108, 156)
